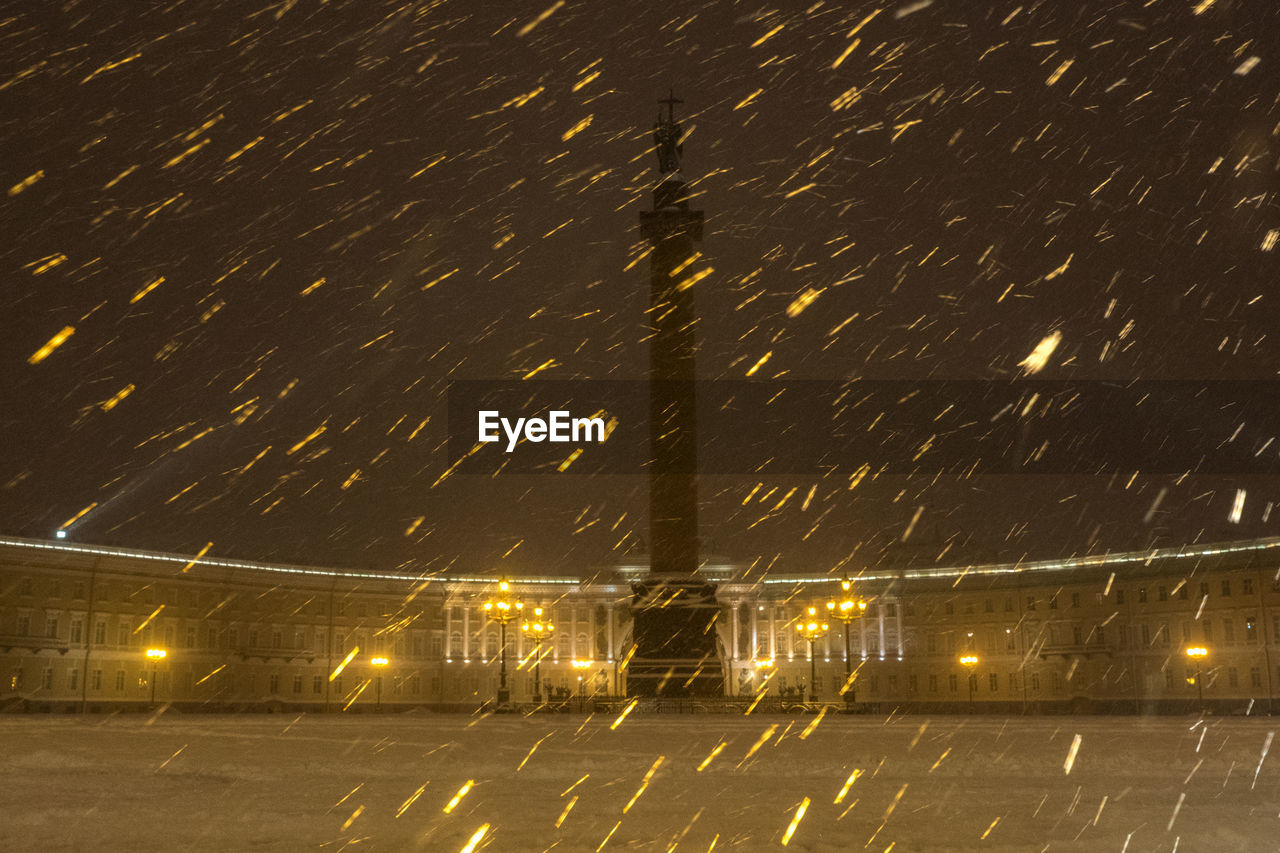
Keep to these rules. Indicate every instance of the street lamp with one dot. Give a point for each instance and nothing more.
(379, 662)
(847, 608)
(970, 661)
(155, 655)
(812, 630)
(537, 630)
(502, 608)
(1197, 654)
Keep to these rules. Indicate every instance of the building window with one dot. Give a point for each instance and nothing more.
(125, 634)
(1247, 585)
(273, 684)
(100, 634)
(415, 684)
(1035, 682)
(988, 606)
(1077, 635)
(1228, 631)
(191, 637)
(1008, 604)
(1057, 680)
(933, 683)
(1075, 599)
(277, 639)
(993, 681)
(51, 628)
(119, 680)
(1053, 602)
(1226, 588)
(1142, 595)
(953, 682)
(1013, 681)
(948, 608)
(95, 680)
(1031, 602)
(78, 590)
(317, 684)
(1233, 677)
(1255, 677)
(297, 683)
(893, 684)
(437, 646)
(77, 630)
(73, 679)
(1183, 591)
(1010, 640)
(911, 684)
(1250, 630)
(1119, 596)
(1162, 593)
(24, 586)
(46, 678)
(1208, 631)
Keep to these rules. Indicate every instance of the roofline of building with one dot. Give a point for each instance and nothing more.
(1183, 552)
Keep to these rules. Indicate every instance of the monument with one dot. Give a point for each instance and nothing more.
(674, 610)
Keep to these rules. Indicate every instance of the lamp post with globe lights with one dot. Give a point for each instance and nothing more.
(155, 656)
(379, 663)
(812, 629)
(537, 630)
(1197, 654)
(502, 608)
(847, 608)
(970, 661)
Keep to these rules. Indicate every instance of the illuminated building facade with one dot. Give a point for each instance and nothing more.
(1106, 633)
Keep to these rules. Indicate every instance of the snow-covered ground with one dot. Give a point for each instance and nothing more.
(571, 783)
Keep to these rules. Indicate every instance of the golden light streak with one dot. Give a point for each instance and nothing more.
(1057, 74)
(312, 286)
(767, 36)
(110, 403)
(317, 432)
(563, 466)
(627, 710)
(405, 805)
(711, 757)
(644, 783)
(175, 160)
(844, 789)
(1270, 240)
(549, 363)
(25, 182)
(243, 149)
(546, 13)
(564, 814)
(795, 821)
(350, 656)
(356, 693)
(212, 674)
(759, 364)
(1039, 357)
(938, 763)
(46, 263)
(576, 129)
(111, 65)
(760, 741)
(457, 798)
(54, 342)
(470, 846)
(355, 814)
(749, 98)
(170, 758)
(896, 799)
(414, 525)
(534, 748)
(196, 558)
(853, 45)
(607, 837)
(808, 730)
(803, 301)
(989, 828)
(79, 515)
(1071, 755)
(694, 279)
(584, 778)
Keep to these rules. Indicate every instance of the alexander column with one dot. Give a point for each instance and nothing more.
(673, 609)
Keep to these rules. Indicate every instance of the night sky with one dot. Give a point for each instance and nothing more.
(279, 230)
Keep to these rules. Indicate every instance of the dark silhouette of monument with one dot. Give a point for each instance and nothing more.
(674, 611)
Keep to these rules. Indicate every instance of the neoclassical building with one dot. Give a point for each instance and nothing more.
(1098, 633)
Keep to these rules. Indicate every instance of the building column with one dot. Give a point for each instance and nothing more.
(773, 635)
(448, 629)
(591, 630)
(862, 629)
(610, 617)
(755, 630)
(897, 627)
(880, 619)
(466, 629)
(736, 630)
